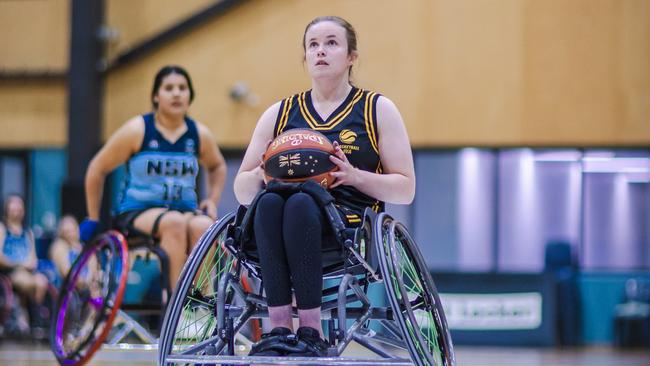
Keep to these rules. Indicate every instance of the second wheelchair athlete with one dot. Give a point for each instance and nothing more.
(162, 150)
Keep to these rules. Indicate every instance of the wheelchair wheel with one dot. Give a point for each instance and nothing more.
(412, 294)
(40, 315)
(89, 299)
(6, 300)
(191, 316)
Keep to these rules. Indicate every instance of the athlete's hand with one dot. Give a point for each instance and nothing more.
(87, 230)
(209, 208)
(347, 174)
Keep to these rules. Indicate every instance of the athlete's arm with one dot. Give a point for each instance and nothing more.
(4, 262)
(397, 183)
(32, 260)
(59, 255)
(117, 150)
(250, 176)
(211, 158)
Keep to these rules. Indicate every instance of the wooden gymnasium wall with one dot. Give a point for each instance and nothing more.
(33, 38)
(462, 72)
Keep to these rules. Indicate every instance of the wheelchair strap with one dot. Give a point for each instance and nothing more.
(156, 224)
(322, 197)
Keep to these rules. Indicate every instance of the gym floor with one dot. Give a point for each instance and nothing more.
(24, 354)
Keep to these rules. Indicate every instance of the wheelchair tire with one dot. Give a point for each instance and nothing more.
(191, 316)
(40, 315)
(412, 295)
(6, 300)
(89, 299)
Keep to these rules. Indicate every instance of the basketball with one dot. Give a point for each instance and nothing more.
(298, 155)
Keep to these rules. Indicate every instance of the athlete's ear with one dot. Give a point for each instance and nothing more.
(352, 57)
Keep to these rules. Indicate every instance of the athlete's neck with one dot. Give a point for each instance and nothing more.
(328, 91)
(169, 122)
(15, 227)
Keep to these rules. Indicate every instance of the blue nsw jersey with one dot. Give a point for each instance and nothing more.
(16, 247)
(162, 174)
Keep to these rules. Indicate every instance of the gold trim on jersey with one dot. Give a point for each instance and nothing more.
(353, 218)
(370, 123)
(311, 121)
(284, 117)
(379, 169)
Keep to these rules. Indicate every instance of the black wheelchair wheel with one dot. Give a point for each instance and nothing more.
(89, 299)
(6, 301)
(190, 321)
(412, 295)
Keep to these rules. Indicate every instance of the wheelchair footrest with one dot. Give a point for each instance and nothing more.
(250, 360)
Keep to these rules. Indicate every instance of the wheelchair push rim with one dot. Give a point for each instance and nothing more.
(413, 295)
(7, 298)
(191, 316)
(89, 299)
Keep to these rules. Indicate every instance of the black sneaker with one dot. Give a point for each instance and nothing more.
(278, 342)
(311, 343)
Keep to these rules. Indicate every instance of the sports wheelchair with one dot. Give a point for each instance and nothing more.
(210, 306)
(90, 312)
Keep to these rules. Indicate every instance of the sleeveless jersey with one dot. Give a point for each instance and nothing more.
(16, 247)
(162, 174)
(354, 126)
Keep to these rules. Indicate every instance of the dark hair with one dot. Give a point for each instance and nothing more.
(350, 33)
(162, 73)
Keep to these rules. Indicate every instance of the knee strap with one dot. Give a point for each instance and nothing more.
(322, 197)
(156, 224)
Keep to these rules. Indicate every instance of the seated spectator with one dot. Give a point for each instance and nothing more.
(18, 253)
(66, 246)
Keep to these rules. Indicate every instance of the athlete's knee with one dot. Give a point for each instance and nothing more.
(41, 281)
(301, 204)
(269, 205)
(270, 201)
(198, 224)
(173, 223)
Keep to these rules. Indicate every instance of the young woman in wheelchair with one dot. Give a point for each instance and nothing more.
(162, 151)
(375, 165)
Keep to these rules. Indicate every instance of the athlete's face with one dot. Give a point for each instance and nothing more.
(68, 229)
(173, 95)
(326, 50)
(15, 209)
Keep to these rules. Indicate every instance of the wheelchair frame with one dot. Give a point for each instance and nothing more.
(380, 250)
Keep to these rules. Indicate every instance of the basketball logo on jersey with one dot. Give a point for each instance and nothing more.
(347, 138)
(189, 146)
(153, 144)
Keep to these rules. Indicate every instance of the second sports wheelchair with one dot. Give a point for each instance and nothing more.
(210, 306)
(89, 312)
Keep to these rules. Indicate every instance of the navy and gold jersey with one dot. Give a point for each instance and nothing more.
(354, 126)
(162, 174)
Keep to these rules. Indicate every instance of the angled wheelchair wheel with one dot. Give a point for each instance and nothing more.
(89, 299)
(6, 300)
(413, 295)
(190, 322)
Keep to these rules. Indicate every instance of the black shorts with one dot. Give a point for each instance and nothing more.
(123, 222)
(7, 271)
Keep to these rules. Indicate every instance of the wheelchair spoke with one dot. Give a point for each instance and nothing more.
(413, 296)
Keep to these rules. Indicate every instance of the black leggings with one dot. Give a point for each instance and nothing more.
(289, 234)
